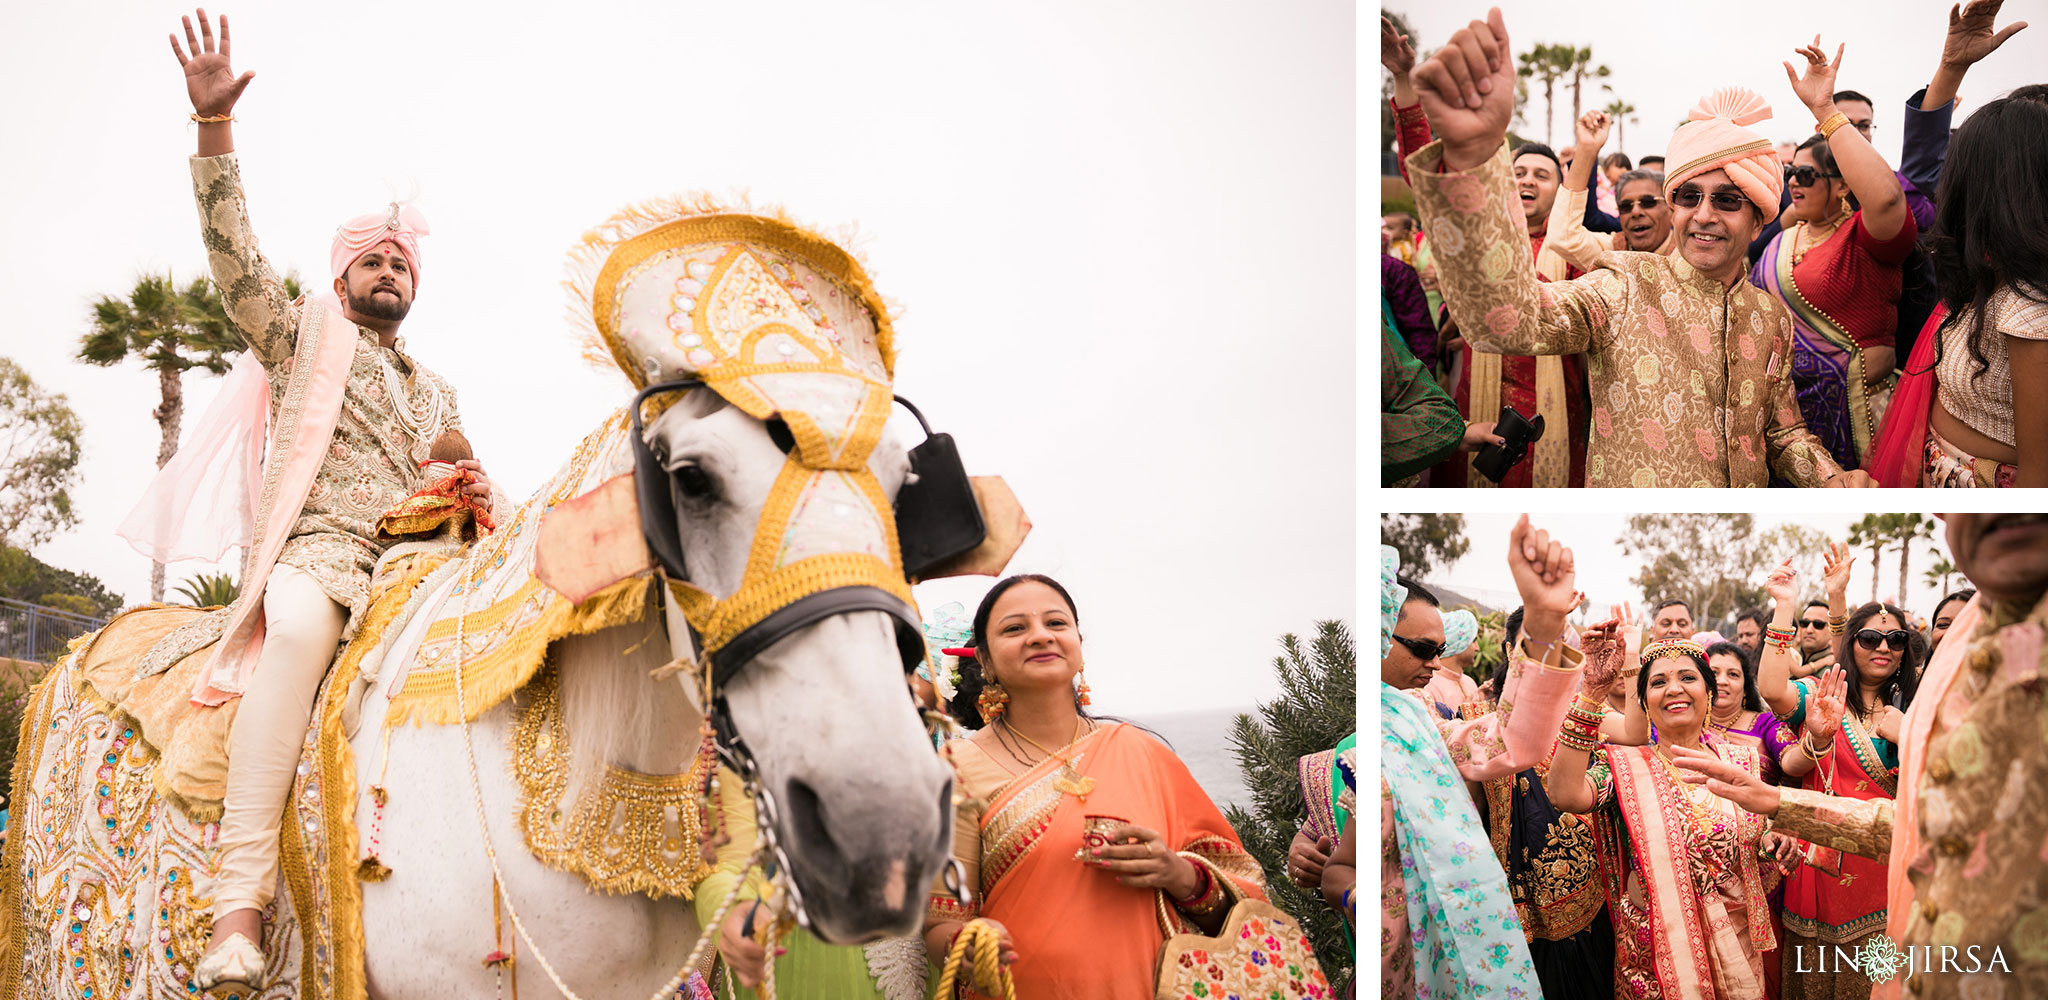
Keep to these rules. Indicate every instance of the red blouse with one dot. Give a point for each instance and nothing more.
(1854, 278)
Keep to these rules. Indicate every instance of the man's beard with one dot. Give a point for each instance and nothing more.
(372, 307)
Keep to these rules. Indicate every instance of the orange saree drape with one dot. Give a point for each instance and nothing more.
(1078, 932)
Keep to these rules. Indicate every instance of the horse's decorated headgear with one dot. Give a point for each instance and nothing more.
(783, 324)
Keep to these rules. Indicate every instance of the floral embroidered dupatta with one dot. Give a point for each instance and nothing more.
(1827, 366)
(1079, 932)
(1461, 917)
(1687, 947)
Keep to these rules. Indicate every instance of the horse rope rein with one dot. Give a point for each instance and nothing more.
(710, 931)
(986, 944)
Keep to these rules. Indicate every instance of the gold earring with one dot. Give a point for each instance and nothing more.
(992, 700)
(1846, 207)
(1081, 692)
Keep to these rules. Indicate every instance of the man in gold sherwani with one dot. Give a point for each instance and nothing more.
(356, 432)
(1689, 364)
(1967, 839)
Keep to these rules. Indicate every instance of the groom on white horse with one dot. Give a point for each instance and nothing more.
(353, 417)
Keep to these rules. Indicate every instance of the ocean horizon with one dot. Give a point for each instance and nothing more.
(1202, 739)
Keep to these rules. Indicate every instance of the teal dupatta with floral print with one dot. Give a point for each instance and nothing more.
(1461, 918)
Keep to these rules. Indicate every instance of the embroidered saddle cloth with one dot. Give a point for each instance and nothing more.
(188, 742)
(109, 862)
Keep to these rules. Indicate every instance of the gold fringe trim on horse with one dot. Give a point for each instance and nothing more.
(428, 697)
(634, 832)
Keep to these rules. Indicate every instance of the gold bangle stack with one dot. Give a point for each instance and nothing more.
(1813, 753)
(1581, 729)
(211, 119)
(1833, 122)
(1838, 624)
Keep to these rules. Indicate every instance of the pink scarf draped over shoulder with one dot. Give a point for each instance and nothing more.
(302, 430)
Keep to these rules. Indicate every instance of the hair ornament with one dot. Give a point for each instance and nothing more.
(1669, 647)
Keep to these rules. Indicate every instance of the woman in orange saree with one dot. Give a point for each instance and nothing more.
(1087, 854)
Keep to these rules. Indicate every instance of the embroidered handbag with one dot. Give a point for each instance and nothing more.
(1261, 952)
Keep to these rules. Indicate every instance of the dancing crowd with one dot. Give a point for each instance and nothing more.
(1637, 809)
(1797, 315)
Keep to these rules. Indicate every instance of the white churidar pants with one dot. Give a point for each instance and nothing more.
(302, 626)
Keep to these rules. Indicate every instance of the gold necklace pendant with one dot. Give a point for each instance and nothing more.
(1070, 781)
(1074, 783)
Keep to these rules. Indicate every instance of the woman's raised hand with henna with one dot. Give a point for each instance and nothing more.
(1824, 710)
(1605, 654)
(209, 79)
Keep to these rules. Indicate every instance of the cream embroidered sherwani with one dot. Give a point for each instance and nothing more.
(1690, 379)
(1973, 790)
(373, 460)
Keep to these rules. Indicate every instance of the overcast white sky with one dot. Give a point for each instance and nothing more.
(1604, 573)
(1121, 235)
(1666, 56)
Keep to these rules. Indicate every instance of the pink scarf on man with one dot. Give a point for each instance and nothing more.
(326, 350)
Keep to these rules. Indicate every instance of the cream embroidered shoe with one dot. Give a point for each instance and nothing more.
(237, 963)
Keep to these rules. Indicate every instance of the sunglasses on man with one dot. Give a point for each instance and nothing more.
(1626, 205)
(1810, 623)
(1424, 649)
(1805, 176)
(1690, 196)
(1894, 640)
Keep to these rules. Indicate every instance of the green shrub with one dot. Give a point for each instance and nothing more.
(1317, 708)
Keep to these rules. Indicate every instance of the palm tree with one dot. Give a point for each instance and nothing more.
(1938, 574)
(210, 590)
(1545, 63)
(1578, 64)
(1621, 111)
(1870, 532)
(1907, 529)
(170, 330)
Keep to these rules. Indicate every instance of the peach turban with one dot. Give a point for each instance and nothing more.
(1716, 138)
(402, 225)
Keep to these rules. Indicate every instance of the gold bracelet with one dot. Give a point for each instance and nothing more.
(212, 120)
(1814, 753)
(1835, 121)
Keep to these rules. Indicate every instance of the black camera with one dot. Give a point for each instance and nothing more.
(1495, 460)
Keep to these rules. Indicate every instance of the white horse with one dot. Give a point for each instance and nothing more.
(865, 803)
(864, 816)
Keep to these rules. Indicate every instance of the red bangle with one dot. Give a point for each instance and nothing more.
(1201, 888)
